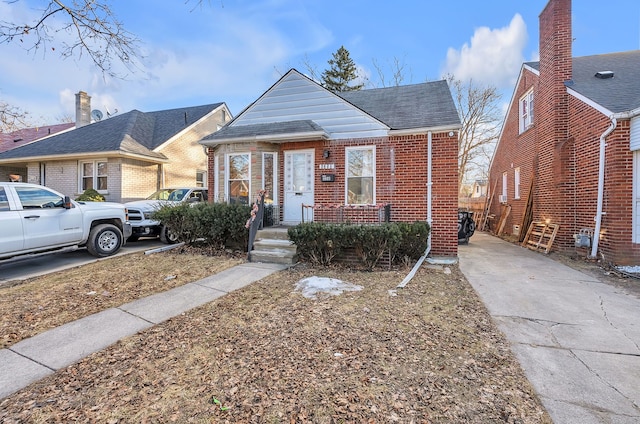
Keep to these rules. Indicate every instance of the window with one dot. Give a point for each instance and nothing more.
(238, 184)
(201, 178)
(516, 183)
(93, 175)
(4, 202)
(504, 187)
(526, 111)
(269, 176)
(360, 171)
(38, 198)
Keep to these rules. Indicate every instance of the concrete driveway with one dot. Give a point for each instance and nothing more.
(577, 339)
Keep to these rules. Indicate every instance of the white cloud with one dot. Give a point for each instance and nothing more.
(493, 57)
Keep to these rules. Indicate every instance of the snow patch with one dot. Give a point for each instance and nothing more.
(312, 285)
(630, 269)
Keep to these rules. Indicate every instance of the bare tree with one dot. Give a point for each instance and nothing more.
(92, 28)
(12, 118)
(397, 69)
(481, 119)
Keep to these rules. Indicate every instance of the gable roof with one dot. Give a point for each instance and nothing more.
(618, 94)
(135, 133)
(405, 107)
(23, 136)
(298, 108)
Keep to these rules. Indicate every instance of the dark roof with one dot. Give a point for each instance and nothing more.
(132, 132)
(23, 136)
(409, 106)
(272, 128)
(621, 93)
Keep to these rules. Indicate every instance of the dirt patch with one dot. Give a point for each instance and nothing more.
(268, 354)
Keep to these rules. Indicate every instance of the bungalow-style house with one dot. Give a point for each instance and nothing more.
(359, 156)
(569, 151)
(124, 157)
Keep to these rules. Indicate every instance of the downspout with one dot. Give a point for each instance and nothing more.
(599, 213)
(429, 218)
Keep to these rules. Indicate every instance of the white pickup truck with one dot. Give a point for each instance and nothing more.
(36, 219)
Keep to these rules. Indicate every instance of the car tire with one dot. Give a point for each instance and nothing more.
(166, 236)
(104, 240)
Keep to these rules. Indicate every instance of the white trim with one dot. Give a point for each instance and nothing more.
(589, 102)
(216, 178)
(274, 194)
(227, 167)
(371, 148)
(635, 219)
(516, 183)
(188, 128)
(505, 181)
(94, 176)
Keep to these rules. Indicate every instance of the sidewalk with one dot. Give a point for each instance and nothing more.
(577, 339)
(37, 357)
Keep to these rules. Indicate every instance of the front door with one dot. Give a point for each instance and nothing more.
(298, 185)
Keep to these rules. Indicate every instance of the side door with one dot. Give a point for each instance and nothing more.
(298, 185)
(45, 221)
(11, 235)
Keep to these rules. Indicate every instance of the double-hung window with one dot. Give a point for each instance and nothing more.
(93, 175)
(361, 174)
(526, 111)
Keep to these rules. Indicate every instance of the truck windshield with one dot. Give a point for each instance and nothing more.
(173, 195)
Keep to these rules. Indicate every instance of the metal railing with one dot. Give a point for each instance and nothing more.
(352, 214)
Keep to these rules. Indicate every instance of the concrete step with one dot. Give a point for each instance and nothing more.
(276, 233)
(272, 245)
(274, 257)
(275, 244)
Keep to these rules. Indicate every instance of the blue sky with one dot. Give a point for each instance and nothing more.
(233, 50)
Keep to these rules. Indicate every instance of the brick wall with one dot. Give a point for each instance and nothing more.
(561, 152)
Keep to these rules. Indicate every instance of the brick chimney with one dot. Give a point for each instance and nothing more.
(83, 109)
(554, 196)
(555, 59)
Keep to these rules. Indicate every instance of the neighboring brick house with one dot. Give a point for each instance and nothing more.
(125, 157)
(318, 154)
(574, 158)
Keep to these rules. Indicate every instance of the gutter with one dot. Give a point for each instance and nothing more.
(420, 261)
(601, 162)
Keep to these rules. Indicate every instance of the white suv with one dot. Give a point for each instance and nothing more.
(140, 211)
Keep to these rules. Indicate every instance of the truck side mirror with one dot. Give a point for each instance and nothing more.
(67, 202)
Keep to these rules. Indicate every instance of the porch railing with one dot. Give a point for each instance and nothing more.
(255, 221)
(353, 214)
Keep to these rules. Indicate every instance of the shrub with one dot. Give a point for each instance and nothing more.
(90, 195)
(320, 243)
(216, 224)
(317, 242)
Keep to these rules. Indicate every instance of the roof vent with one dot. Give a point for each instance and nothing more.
(604, 74)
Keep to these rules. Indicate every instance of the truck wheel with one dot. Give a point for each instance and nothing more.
(166, 236)
(104, 240)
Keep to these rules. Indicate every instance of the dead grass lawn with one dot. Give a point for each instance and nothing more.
(428, 353)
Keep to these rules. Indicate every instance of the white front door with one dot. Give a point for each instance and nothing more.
(298, 185)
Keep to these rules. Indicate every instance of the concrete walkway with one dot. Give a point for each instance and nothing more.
(32, 359)
(577, 339)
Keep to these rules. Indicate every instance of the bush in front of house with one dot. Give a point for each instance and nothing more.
(218, 225)
(90, 195)
(321, 244)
